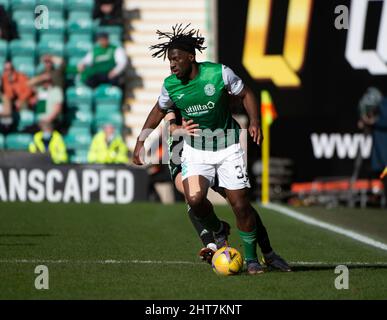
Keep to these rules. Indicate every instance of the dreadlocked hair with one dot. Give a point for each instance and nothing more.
(180, 38)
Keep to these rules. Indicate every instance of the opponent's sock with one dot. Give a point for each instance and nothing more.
(205, 235)
(262, 236)
(211, 222)
(249, 240)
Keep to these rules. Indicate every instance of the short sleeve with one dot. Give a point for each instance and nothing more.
(165, 101)
(232, 82)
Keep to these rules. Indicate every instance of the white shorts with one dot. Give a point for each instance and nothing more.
(228, 164)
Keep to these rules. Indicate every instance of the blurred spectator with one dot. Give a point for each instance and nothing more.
(49, 140)
(8, 29)
(109, 12)
(104, 64)
(373, 120)
(49, 103)
(53, 68)
(16, 90)
(108, 147)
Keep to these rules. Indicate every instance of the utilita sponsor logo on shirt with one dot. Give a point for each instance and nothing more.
(200, 108)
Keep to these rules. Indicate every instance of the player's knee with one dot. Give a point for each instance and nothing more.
(195, 200)
(242, 208)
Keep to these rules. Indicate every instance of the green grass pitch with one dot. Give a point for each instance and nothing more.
(149, 251)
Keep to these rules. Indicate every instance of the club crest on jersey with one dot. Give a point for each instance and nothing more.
(209, 89)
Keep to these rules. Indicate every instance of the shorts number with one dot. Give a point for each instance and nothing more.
(241, 173)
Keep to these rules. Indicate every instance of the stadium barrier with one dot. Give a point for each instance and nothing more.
(120, 184)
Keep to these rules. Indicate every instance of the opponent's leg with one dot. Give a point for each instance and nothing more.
(205, 235)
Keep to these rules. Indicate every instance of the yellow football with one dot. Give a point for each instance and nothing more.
(227, 261)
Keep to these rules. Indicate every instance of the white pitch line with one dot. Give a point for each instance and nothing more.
(315, 222)
(110, 261)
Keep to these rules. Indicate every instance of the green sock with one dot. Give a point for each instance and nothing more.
(249, 240)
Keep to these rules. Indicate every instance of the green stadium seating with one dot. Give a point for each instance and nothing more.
(80, 94)
(23, 4)
(86, 37)
(22, 48)
(106, 107)
(27, 36)
(51, 47)
(1, 141)
(56, 25)
(5, 4)
(107, 93)
(56, 14)
(3, 49)
(79, 156)
(25, 22)
(52, 4)
(114, 118)
(51, 37)
(2, 61)
(18, 141)
(80, 26)
(111, 30)
(71, 67)
(24, 119)
(78, 48)
(80, 5)
(80, 15)
(78, 141)
(25, 65)
(80, 118)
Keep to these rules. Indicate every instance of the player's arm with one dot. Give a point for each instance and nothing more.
(251, 106)
(236, 87)
(153, 120)
(186, 128)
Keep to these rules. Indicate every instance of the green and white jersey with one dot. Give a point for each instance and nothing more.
(205, 100)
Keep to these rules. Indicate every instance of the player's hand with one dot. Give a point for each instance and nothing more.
(255, 133)
(138, 152)
(190, 128)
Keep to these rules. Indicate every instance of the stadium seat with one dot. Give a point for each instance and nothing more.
(3, 49)
(79, 156)
(80, 15)
(114, 118)
(80, 5)
(80, 118)
(80, 94)
(111, 30)
(18, 141)
(25, 22)
(80, 26)
(5, 4)
(22, 48)
(78, 48)
(24, 119)
(56, 25)
(1, 141)
(25, 65)
(106, 107)
(2, 61)
(57, 5)
(51, 37)
(23, 5)
(77, 139)
(87, 37)
(51, 47)
(107, 93)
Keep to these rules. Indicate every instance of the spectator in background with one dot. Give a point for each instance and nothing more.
(49, 140)
(108, 147)
(53, 68)
(8, 30)
(16, 91)
(49, 103)
(104, 64)
(108, 12)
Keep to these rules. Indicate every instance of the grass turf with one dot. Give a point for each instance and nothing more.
(73, 240)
